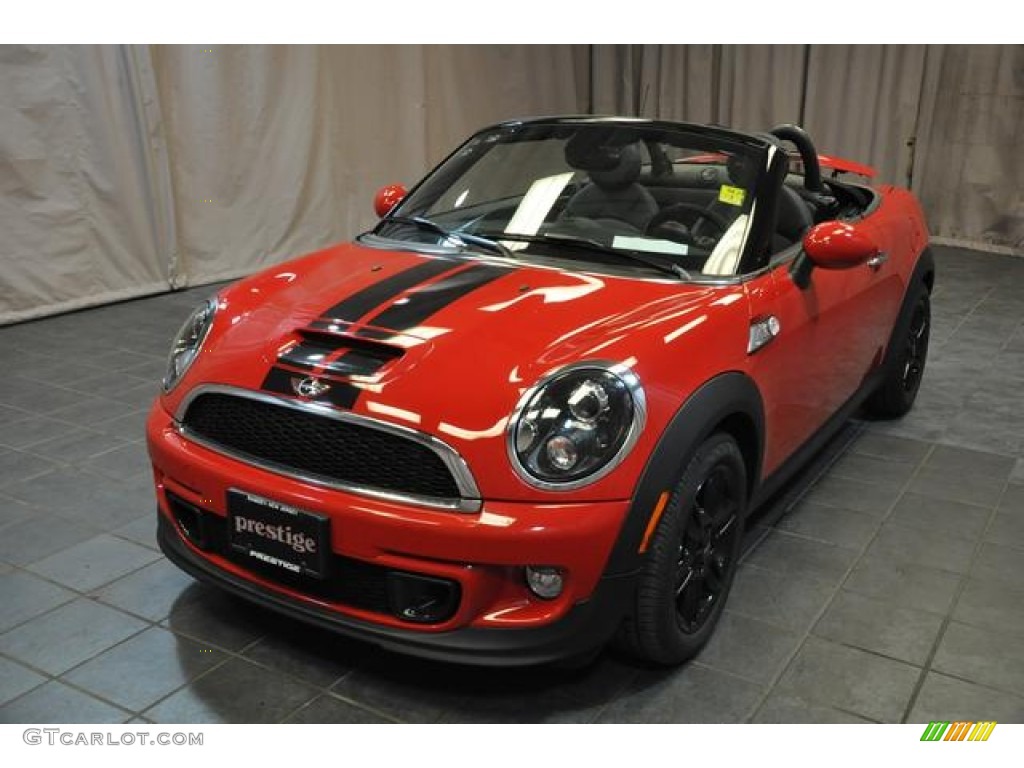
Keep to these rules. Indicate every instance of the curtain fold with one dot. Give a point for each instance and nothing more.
(248, 132)
(82, 207)
(969, 160)
(278, 150)
(760, 85)
(749, 87)
(862, 104)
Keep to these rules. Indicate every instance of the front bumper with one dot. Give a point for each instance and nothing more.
(497, 621)
(587, 625)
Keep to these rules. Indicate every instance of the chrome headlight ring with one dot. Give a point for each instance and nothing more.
(575, 425)
(188, 343)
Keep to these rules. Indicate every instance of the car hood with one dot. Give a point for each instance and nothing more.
(440, 344)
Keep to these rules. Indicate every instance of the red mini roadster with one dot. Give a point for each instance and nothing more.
(530, 411)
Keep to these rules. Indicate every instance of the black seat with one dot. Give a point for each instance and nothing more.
(793, 218)
(614, 194)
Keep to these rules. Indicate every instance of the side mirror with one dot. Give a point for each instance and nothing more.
(836, 245)
(832, 245)
(387, 198)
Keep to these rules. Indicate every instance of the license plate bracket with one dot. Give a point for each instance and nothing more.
(271, 533)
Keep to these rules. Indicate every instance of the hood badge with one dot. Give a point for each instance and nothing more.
(309, 387)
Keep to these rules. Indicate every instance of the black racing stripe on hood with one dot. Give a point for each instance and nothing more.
(357, 362)
(329, 326)
(370, 298)
(421, 303)
(340, 394)
(327, 376)
(373, 334)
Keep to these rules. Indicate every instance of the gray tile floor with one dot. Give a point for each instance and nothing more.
(888, 585)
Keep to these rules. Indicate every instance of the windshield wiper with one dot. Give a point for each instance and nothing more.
(669, 268)
(463, 238)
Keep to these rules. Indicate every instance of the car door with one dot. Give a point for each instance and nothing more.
(830, 334)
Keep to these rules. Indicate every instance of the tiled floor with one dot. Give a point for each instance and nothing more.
(888, 586)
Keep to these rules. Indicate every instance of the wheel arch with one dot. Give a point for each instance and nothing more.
(729, 402)
(924, 270)
(890, 398)
(746, 432)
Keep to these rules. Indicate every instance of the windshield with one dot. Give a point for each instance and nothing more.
(639, 196)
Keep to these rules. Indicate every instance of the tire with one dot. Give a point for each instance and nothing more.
(691, 559)
(906, 358)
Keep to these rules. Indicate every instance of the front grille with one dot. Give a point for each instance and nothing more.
(348, 581)
(318, 446)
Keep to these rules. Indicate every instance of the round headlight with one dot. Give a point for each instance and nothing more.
(576, 425)
(562, 452)
(189, 342)
(588, 401)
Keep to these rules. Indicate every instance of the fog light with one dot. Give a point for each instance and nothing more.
(544, 581)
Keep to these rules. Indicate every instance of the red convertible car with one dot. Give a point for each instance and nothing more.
(530, 411)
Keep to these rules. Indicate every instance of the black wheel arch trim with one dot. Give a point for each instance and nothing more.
(924, 272)
(924, 269)
(724, 397)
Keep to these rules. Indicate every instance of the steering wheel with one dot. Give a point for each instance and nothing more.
(675, 214)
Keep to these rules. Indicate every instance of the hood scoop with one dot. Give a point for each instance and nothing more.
(342, 352)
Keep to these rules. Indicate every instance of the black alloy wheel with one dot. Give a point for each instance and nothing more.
(691, 559)
(707, 547)
(904, 366)
(917, 347)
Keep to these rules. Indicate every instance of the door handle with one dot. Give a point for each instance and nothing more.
(876, 261)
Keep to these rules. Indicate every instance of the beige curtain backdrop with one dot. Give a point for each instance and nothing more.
(969, 166)
(278, 150)
(744, 86)
(946, 120)
(862, 103)
(127, 170)
(83, 181)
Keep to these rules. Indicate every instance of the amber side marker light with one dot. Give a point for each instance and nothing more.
(659, 508)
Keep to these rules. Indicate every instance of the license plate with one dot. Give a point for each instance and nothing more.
(278, 535)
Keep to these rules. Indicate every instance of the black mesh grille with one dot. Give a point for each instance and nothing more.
(315, 445)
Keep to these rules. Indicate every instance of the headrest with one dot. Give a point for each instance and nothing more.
(593, 149)
(609, 155)
(737, 167)
(610, 165)
(793, 217)
(625, 172)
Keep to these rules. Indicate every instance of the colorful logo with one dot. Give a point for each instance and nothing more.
(959, 731)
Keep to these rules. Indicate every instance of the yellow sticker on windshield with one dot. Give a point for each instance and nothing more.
(732, 195)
